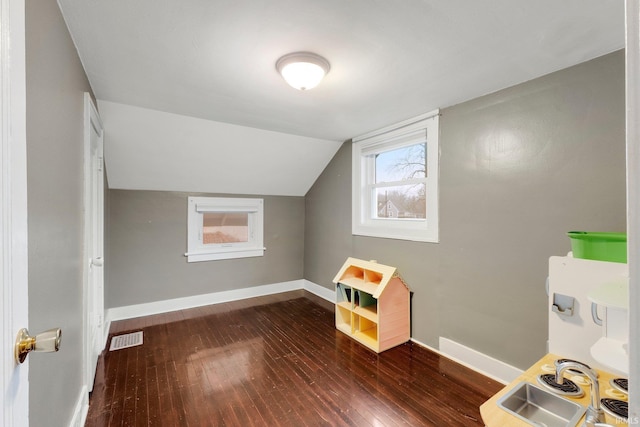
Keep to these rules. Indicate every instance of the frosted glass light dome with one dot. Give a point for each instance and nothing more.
(303, 70)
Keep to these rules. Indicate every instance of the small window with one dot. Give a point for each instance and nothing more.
(395, 181)
(224, 228)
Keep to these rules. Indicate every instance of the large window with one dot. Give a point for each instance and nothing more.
(224, 228)
(395, 181)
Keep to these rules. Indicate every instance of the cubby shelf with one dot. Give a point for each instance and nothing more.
(372, 304)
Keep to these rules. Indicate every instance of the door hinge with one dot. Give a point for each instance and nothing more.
(100, 163)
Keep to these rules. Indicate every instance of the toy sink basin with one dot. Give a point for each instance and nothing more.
(540, 407)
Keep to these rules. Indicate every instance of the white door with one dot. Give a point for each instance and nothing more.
(94, 238)
(14, 409)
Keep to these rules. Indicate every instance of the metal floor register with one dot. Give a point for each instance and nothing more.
(127, 340)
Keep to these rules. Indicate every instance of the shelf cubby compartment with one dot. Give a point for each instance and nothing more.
(366, 305)
(365, 330)
(372, 277)
(353, 272)
(343, 319)
(377, 301)
(344, 295)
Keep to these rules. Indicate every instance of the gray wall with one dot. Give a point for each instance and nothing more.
(519, 168)
(148, 238)
(55, 84)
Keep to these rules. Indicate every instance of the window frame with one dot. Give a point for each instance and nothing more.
(423, 128)
(198, 206)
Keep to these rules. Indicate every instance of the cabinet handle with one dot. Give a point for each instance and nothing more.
(594, 314)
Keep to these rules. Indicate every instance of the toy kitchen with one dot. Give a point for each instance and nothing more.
(588, 323)
(588, 306)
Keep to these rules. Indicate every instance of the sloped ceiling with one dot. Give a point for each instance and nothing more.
(153, 150)
(390, 60)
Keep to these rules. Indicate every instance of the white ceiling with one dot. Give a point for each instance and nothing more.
(390, 59)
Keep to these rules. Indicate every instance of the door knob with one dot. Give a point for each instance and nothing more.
(46, 342)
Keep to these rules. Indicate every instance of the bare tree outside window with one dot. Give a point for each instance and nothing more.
(394, 189)
(405, 169)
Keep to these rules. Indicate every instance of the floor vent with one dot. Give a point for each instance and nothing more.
(127, 340)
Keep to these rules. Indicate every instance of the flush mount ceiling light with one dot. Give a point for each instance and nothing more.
(303, 70)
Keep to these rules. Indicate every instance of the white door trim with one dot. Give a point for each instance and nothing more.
(632, 52)
(14, 411)
(93, 305)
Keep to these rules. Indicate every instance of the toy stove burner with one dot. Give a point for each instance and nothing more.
(621, 384)
(567, 388)
(615, 407)
(573, 372)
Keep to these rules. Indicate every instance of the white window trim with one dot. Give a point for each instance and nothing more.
(197, 251)
(401, 134)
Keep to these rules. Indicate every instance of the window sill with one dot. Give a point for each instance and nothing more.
(228, 254)
(396, 235)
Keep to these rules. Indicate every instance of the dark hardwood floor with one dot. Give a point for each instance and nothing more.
(275, 361)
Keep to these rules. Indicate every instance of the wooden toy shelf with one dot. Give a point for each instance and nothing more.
(372, 304)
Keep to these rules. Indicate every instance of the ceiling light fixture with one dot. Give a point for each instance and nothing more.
(303, 70)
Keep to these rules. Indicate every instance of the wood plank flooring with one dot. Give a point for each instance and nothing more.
(275, 361)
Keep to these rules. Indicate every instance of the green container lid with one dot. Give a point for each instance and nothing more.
(599, 246)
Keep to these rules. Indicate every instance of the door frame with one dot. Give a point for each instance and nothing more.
(14, 378)
(93, 210)
(632, 120)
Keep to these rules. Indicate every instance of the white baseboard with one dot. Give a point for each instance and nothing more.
(480, 362)
(428, 347)
(81, 410)
(165, 306)
(321, 291)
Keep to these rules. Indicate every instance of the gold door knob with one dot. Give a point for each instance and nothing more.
(46, 342)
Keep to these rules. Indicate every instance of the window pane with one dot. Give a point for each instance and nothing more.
(402, 201)
(401, 164)
(225, 227)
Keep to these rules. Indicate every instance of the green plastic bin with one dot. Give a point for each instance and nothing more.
(599, 246)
